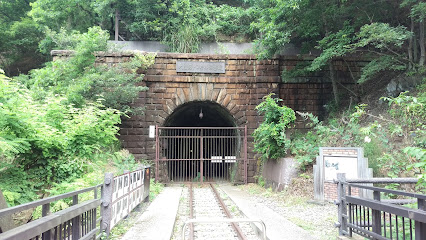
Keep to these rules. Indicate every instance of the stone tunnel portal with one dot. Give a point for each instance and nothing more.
(200, 141)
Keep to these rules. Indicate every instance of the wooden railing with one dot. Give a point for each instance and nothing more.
(379, 218)
(90, 219)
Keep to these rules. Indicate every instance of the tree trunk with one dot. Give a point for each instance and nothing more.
(422, 42)
(334, 83)
(410, 45)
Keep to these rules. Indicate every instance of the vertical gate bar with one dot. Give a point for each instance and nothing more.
(245, 155)
(351, 212)
(403, 228)
(201, 155)
(368, 219)
(384, 223)
(157, 152)
(363, 209)
(396, 226)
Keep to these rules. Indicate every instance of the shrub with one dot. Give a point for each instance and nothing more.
(270, 137)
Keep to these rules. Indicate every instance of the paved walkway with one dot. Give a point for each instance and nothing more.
(157, 222)
(277, 227)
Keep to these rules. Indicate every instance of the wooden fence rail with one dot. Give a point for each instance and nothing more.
(90, 219)
(377, 218)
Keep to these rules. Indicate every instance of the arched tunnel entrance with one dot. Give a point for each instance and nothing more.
(201, 142)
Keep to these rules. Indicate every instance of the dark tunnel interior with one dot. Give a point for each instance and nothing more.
(184, 148)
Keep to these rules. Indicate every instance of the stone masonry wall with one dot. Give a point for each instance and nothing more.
(240, 89)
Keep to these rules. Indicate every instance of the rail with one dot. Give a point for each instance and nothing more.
(224, 220)
(86, 220)
(377, 218)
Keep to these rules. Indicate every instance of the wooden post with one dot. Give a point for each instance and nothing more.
(377, 220)
(94, 214)
(420, 226)
(75, 221)
(342, 210)
(45, 210)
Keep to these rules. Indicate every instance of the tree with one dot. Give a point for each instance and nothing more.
(344, 27)
(19, 38)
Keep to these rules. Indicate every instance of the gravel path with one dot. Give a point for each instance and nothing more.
(317, 219)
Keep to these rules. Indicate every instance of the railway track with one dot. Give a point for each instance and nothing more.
(205, 203)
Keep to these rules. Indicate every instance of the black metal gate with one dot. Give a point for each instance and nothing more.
(201, 154)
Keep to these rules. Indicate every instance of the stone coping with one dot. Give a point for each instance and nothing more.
(303, 57)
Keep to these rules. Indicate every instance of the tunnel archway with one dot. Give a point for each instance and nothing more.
(200, 141)
(200, 114)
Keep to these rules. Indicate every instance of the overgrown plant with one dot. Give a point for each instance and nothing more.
(80, 80)
(55, 121)
(391, 142)
(270, 138)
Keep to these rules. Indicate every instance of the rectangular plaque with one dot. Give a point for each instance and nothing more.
(335, 165)
(200, 67)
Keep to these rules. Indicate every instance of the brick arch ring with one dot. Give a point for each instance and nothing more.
(206, 92)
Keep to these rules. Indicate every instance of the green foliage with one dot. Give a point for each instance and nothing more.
(185, 40)
(183, 24)
(376, 38)
(420, 155)
(383, 139)
(80, 81)
(55, 121)
(155, 188)
(270, 138)
(73, 14)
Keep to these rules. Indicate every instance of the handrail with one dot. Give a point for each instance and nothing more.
(25, 206)
(377, 218)
(402, 193)
(39, 226)
(381, 180)
(414, 214)
(223, 220)
(200, 127)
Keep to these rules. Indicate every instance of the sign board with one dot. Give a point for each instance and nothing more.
(151, 131)
(200, 67)
(335, 165)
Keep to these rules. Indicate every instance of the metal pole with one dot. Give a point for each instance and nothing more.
(201, 156)
(108, 189)
(157, 153)
(245, 154)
